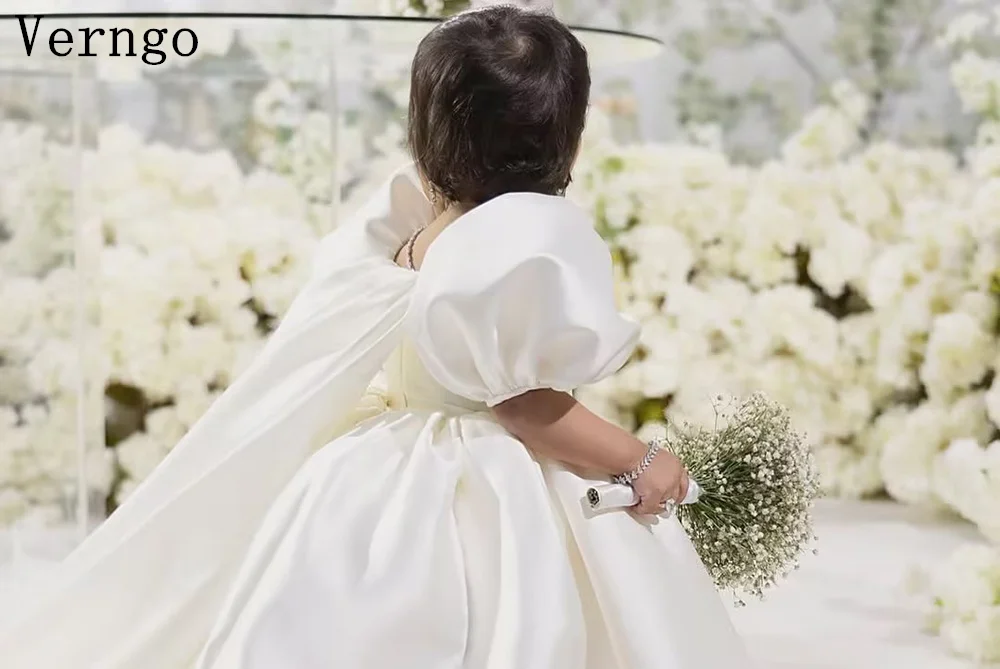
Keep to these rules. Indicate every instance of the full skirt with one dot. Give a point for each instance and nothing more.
(423, 540)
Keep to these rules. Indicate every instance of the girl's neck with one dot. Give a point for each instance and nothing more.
(450, 214)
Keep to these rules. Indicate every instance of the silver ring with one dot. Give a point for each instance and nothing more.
(668, 507)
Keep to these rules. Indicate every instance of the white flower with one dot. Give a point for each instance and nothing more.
(193, 400)
(976, 635)
(841, 258)
(908, 456)
(847, 473)
(139, 455)
(769, 232)
(827, 134)
(717, 375)
(55, 368)
(850, 100)
(977, 80)
(891, 272)
(662, 256)
(967, 477)
(968, 580)
(964, 28)
(863, 197)
(958, 353)
(993, 400)
(786, 318)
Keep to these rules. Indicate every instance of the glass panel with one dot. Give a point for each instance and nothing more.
(54, 470)
(213, 178)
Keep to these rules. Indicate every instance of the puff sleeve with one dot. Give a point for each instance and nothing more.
(518, 295)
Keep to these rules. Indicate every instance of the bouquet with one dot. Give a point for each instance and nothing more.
(754, 484)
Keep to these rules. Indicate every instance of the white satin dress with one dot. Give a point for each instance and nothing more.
(424, 536)
(430, 538)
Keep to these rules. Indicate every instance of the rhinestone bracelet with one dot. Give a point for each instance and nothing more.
(628, 477)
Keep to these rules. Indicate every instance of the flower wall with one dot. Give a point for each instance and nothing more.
(856, 282)
(201, 226)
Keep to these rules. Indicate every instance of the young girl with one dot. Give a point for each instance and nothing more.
(448, 530)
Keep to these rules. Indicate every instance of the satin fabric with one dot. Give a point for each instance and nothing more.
(144, 589)
(429, 537)
(426, 537)
(518, 294)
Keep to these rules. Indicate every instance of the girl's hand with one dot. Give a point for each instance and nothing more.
(666, 479)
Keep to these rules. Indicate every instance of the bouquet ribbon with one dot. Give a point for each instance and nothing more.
(617, 496)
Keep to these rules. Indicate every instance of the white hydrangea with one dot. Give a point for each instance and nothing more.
(965, 477)
(199, 260)
(958, 354)
(910, 453)
(960, 598)
(977, 79)
(841, 257)
(828, 132)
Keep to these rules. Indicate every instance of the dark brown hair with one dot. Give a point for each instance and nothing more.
(498, 101)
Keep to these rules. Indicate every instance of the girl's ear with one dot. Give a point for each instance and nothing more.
(438, 203)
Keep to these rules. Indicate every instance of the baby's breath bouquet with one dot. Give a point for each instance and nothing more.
(753, 485)
(758, 482)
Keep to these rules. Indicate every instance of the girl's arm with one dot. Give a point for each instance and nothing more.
(555, 425)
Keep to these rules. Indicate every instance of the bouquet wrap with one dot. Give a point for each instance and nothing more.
(617, 496)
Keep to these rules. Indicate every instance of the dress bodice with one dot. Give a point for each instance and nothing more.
(410, 385)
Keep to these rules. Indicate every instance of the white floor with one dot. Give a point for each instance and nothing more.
(844, 609)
